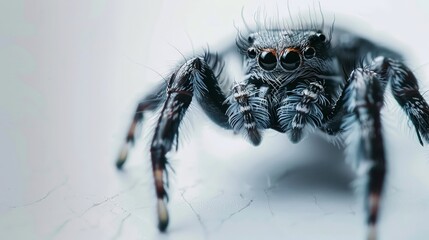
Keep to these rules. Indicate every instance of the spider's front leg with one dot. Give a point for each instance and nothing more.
(195, 78)
(364, 99)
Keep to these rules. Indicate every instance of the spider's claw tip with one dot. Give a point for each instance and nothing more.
(162, 216)
(372, 233)
(122, 156)
(419, 137)
(120, 163)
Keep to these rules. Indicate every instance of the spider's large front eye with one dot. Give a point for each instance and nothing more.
(290, 60)
(267, 60)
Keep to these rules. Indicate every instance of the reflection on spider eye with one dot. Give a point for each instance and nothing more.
(290, 60)
(309, 53)
(267, 60)
(251, 52)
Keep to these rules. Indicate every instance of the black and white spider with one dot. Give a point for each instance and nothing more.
(294, 80)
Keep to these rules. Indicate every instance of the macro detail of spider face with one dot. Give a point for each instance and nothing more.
(289, 58)
(294, 81)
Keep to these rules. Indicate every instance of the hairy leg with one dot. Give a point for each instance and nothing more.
(149, 103)
(194, 79)
(364, 99)
(405, 90)
(361, 101)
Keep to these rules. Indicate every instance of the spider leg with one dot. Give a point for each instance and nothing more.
(149, 103)
(195, 78)
(364, 99)
(405, 90)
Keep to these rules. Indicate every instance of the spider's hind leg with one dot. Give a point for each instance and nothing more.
(149, 103)
(405, 90)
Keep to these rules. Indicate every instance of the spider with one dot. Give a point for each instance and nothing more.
(295, 80)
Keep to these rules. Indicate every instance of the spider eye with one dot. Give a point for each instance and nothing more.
(309, 53)
(250, 39)
(251, 52)
(290, 60)
(267, 60)
(321, 36)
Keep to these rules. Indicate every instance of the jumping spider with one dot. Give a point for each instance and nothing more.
(323, 79)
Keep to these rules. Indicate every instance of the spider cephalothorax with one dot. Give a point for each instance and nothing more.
(293, 81)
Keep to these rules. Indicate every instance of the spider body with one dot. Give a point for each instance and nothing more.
(294, 80)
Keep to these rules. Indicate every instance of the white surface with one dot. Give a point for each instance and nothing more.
(71, 73)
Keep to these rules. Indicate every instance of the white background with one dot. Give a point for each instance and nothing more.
(71, 73)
